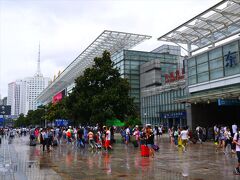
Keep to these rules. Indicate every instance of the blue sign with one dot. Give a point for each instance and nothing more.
(61, 122)
(228, 102)
(173, 115)
(231, 59)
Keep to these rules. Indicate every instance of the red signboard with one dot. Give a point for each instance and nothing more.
(58, 97)
(174, 76)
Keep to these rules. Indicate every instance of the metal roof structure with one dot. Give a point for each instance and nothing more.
(112, 41)
(217, 23)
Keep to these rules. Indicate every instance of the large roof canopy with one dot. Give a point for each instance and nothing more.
(211, 26)
(111, 41)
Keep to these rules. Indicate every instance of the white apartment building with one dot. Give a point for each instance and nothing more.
(11, 96)
(36, 85)
(17, 97)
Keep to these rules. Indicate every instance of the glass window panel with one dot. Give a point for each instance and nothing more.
(233, 67)
(217, 63)
(203, 77)
(231, 59)
(192, 71)
(202, 67)
(216, 53)
(192, 80)
(232, 47)
(191, 62)
(216, 73)
(202, 58)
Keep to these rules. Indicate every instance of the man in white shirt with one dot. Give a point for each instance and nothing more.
(234, 128)
(127, 135)
(236, 140)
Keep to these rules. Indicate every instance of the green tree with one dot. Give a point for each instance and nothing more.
(21, 121)
(35, 117)
(56, 111)
(100, 94)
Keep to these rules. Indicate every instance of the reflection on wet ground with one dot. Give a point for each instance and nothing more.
(20, 161)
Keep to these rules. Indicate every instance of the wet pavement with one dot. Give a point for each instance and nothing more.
(19, 161)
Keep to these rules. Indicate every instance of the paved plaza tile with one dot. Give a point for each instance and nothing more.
(65, 162)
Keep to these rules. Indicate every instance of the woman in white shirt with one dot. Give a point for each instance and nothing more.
(184, 137)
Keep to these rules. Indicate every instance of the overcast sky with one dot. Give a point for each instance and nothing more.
(66, 27)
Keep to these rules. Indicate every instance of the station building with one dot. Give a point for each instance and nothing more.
(212, 68)
(127, 61)
(118, 44)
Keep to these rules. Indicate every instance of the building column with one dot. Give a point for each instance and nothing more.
(189, 116)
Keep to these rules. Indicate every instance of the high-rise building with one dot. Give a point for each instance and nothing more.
(22, 93)
(11, 96)
(36, 85)
(17, 97)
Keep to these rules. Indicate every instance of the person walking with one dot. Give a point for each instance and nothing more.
(108, 139)
(236, 140)
(91, 141)
(234, 129)
(175, 135)
(45, 140)
(150, 140)
(184, 138)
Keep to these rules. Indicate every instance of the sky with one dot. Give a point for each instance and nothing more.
(65, 28)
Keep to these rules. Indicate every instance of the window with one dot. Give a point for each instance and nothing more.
(192, 71)
(216, 73)
(191, 62)
(203, 77)
(202, 58)
(217, 63)
(192, 80)
(202, 67)
(232, 47)
(216, 53)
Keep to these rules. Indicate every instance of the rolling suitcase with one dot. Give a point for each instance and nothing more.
(144, 151)
(155, 147)
(33, 143)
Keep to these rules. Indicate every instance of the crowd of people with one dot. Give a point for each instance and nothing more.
(227, 139)
(95, 137)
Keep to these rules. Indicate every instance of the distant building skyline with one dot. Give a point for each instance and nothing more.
(23, 92)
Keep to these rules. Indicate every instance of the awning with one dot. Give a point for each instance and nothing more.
(210, 96)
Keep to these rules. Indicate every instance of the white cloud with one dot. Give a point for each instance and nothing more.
(66, 28)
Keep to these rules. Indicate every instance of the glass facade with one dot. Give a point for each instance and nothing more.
(160, 108)
(129, 61)
(217, 63)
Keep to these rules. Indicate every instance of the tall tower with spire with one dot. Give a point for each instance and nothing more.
(38, 62)
(36, 84)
